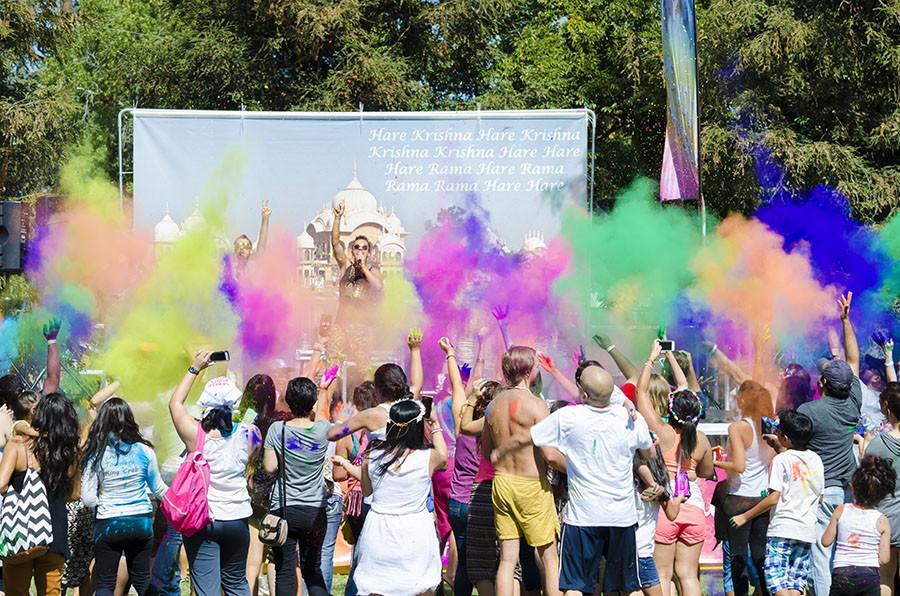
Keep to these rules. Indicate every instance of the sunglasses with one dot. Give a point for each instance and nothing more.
(360, 247)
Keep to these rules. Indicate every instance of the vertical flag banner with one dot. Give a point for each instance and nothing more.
(680, 177)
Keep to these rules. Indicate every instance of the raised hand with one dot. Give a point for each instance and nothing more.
(483, 333)
(445, 345)
(465, 370)
(602, 340)
(844, 305)
(266, 210)
(201, 360)
(329, 376)
(500, 312)
(51, 329)
(339, 209)
(546, 362)
(655, 350)
(578, 356)
(414, 339)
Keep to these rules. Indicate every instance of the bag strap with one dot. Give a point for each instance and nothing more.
(201, 437)
(283, 471)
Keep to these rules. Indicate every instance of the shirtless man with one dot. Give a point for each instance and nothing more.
(523, 502)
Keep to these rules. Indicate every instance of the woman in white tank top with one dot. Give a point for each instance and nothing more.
(398, 548)
(862, 533)
(748, 478)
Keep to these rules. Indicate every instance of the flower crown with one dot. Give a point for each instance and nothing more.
(675, 416)
(418, 418)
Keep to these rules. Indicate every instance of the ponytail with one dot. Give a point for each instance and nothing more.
(218, 418)
(391, 384)
(684, 414)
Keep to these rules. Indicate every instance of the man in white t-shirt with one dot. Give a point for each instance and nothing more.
(596, 443)
(796, 482)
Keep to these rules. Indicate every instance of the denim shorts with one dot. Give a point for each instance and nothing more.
(647, 573)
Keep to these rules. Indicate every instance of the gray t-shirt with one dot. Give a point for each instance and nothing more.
(307, 449)
(834, 422)
(888, 447)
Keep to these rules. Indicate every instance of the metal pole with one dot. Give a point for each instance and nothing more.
(121, 164)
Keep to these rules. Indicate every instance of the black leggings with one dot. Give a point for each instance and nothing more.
(306, 533)
(753, 533)
(855, 581)
(131, 535)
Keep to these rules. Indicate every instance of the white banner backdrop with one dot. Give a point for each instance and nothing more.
(395, 170)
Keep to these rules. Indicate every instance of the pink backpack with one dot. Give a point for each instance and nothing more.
(185, 504)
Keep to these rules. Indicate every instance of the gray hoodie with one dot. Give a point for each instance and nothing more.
(888, 447)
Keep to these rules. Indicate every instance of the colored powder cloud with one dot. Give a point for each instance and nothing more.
(633, 261)
(177, 309)
(744, 276)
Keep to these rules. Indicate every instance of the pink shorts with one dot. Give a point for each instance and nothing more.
(689, 527)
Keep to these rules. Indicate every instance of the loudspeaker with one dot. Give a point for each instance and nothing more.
(10, 236)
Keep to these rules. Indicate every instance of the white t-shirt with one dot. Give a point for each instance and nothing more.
(800, 478)
(870, 412)
(647, 513)
(227, 456)
(598, 444)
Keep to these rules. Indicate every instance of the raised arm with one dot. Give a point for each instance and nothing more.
(720, 361)
(642, 390)
(99, 398)
(693, 381)
(185, 425)
(264, 228)
(627, 368)
(416, 370)
(336, 249)
(468, 426)
(851, 346)
(888, 348)
(571, 389)
(439, 458)
(457, 389)
(54, 365)
(478, 369)
(501, 314)
(359, 421)
(681, 381)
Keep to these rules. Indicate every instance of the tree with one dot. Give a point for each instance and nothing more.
(817, 83)
(35, 119)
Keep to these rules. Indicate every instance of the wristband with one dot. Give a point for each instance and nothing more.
(50, 342)
(436, 430)
(451, 355)
(611, 347)
(192, 370)
(649, 363)
(713, 349)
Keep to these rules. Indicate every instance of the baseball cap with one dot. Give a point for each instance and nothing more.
(837, 373)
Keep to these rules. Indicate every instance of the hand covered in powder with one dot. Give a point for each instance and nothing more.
(51, 329)
(578, 356)
(500, 312)
(546, 362)
(414, 339)
(329, 376)
(602, 340)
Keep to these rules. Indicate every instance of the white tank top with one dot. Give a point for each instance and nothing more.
(402, 490)
(754, 480)
(227, 456)
(857, 537)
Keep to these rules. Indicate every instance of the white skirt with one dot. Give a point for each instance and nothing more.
(398, 555)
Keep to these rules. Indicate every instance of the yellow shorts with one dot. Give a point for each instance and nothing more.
(523, 507)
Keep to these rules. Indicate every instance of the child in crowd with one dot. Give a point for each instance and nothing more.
(22, 408)
(863, 533)
(796, 482)
(650, 496)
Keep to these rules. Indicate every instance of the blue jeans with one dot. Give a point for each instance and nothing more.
(165, 577)
(333, 511)
(822, 557)
(459, 519)
(217, 555)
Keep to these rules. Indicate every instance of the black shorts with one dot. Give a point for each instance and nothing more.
(582, 548)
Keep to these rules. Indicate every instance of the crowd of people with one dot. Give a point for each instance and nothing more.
(594, 493)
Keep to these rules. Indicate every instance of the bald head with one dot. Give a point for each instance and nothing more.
(598, 384)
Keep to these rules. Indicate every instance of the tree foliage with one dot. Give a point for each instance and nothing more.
(817, 81)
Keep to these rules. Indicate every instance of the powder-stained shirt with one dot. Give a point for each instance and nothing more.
(119, 485)
(306, 450)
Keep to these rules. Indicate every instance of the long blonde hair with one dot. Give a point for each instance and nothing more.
(659, 395)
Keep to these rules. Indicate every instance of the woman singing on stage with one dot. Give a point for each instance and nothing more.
(360, 288)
